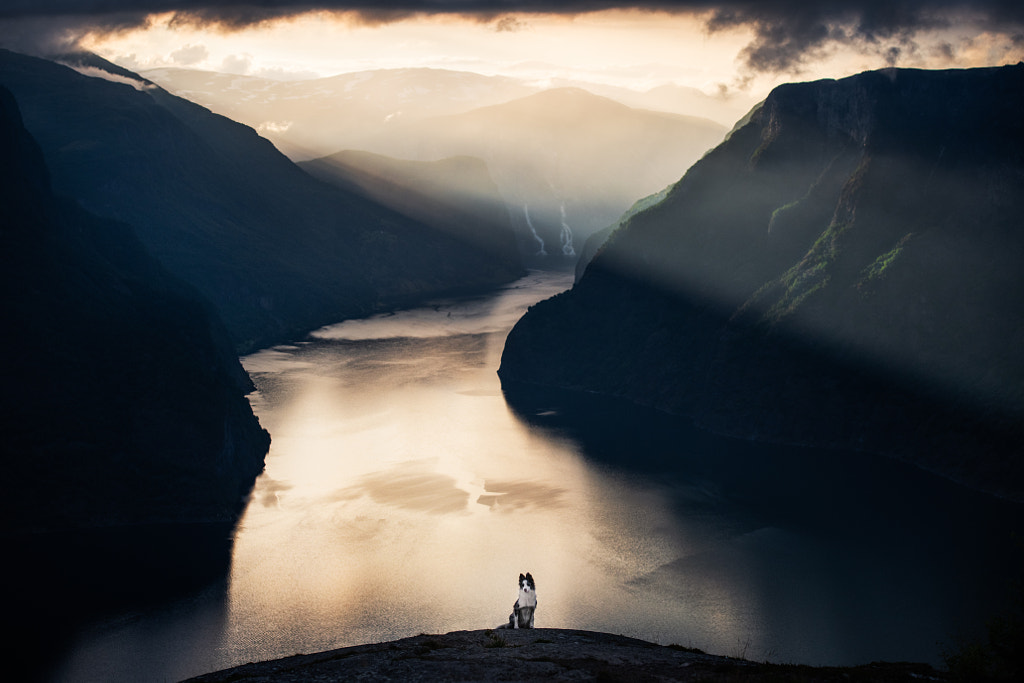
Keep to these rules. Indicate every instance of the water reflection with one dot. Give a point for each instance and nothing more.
(399, 482)
(411, 486)
(507, 496)
(403, 495)
(800, 554)
(402, 482)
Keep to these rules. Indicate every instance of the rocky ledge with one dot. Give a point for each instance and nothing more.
(543, 654)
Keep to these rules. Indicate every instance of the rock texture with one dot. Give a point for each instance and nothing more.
(842, 271)
(540, 655)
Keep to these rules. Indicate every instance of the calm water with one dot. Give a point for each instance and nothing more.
(403, 495)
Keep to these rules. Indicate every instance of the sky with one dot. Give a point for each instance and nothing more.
(719, 46)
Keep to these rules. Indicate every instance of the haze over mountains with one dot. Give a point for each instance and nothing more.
(316, 117)
(454, 195)
(277, 251)
(844, 270)
(566, 161)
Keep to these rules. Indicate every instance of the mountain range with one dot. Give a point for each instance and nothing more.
(311, 118)
(277, 251)
(315, 117)
(566, 161)
(842, 271)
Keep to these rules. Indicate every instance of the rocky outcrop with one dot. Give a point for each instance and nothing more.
(541, 655)
(842, 271)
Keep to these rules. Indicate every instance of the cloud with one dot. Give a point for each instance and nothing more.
(49, 34)
(96, 72)
(236, 64)
(509, 24)
(786, 33)
(190, 54)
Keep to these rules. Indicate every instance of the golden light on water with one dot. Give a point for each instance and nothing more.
(402, 495)
(399, 484)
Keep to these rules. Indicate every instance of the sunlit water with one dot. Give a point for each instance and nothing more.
(402, 495)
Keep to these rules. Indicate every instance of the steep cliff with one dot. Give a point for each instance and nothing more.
(276, 251)
(123, 400)
(843, 270)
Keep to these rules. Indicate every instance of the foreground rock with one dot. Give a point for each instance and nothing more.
(542, 654)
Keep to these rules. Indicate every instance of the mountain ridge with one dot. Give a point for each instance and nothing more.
(310, 118)
(567, 162)
(278, 252)
(841, 271)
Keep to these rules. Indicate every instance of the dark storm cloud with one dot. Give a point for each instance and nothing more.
(785, 31)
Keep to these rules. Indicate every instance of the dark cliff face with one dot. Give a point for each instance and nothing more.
(455, 196)
(123, 400)
(277, 251)
(843, 270)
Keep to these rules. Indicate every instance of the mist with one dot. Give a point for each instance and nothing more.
(559, 164)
